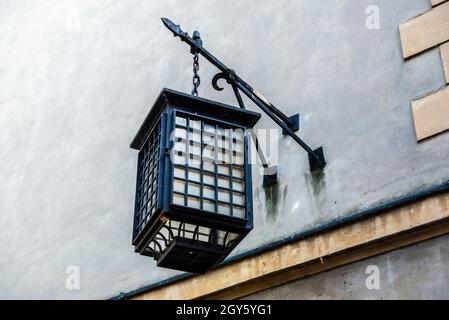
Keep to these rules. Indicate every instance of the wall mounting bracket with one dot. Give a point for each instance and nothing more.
(288, 124)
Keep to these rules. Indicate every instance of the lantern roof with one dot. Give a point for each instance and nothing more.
(200, 106)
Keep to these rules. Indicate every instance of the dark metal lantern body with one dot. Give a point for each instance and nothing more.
(193, 193)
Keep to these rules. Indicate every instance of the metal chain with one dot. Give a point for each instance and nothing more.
(196, 78)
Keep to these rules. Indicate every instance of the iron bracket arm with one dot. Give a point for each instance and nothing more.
(316, 157)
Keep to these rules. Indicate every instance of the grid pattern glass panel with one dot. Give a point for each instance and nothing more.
(209, 167)
(148, 179)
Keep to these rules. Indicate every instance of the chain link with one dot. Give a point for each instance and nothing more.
(196, 78)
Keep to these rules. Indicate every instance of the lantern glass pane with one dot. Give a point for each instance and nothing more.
(224, 209)
(220, 131)
(223, 182)
(238, 135)
(179, 186)
(179, 159)
(180, 172)
(195, 124)
(181, 121)
(209, 192)
(174, 226)
(224, 195)
(238, 147)
(195, 136)
(238, 185)
(195, 150)
(238, 212)
(193, 161)
(194, 175)
(180, 134)
(194, 189)
(194, 202)
(208, 165)
(237, 172)
(209, 128)
(181, 147)
(209, 178)
(238, 159)
(223, 169)
(223, 142)
(178, 199)
(224, 157)
(203, 234)
(209, 140)
(188, 230)
(238, 198)
(209, 205)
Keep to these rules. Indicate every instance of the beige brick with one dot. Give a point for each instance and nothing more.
(436, 2)
(425, 31)
(431, 114)
(445, 57)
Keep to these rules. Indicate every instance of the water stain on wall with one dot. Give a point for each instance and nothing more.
(316, 184)
(317, 179)
(272, 200)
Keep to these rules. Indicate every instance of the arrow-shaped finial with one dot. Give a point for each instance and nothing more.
(176, 29)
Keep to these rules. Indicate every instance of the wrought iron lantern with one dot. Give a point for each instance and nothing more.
(194, 188)
(193, 196)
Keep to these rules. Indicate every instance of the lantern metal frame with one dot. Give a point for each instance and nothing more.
(162, 116)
